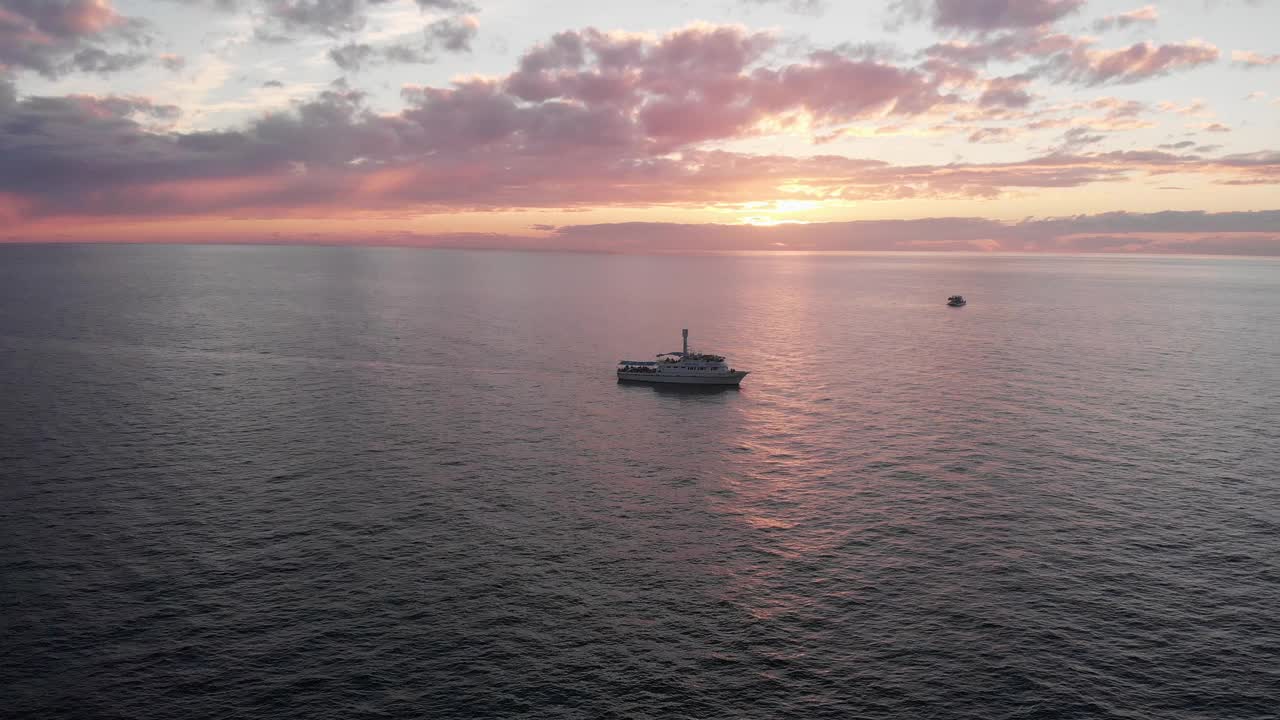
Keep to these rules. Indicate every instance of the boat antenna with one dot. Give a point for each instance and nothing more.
(685, 334)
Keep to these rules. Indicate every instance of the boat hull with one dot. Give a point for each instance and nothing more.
(726, 379)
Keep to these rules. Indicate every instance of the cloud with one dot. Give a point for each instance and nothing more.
(326, 17)
(1251, 59)
(1170, 232)
(985, 16)
(1231, 233)
(97, 60)
(470, 148)
(458, 6)
(59, 18)
(171, 62)
(452, 34)
(278, 21)
(1008, 92)
(587, 119)
(1193, 108)
(123, 106)
(707, 82)
(1065, 58)
(1139, 61)
(991, 135)
(1144, 14)
(800, 7)
(1076, 139)
(448, 35)
(1006, 47)
(55, 37)
(351, 56)
(1214, 127)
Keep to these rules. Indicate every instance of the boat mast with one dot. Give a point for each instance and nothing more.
(685, 334)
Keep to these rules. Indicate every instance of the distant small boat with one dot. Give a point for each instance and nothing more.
(956, 301)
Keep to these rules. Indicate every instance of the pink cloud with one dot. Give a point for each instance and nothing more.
(587, 119)
(1144, 14)
(1009, 92)
(472, 147)
(709, 82)
(1194, 108)
(1253, 59)
(61, 18)
(1075, 59)
(53, 37)
(1137, 62)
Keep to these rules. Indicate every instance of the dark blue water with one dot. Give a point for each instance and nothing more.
(348, 483)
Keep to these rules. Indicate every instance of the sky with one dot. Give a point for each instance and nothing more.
(665, 125)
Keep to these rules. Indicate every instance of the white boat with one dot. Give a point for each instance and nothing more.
(684, 367)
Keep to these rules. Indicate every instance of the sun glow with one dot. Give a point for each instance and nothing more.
(769, 221)
(767, 213)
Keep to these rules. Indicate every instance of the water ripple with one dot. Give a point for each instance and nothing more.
(337, 483)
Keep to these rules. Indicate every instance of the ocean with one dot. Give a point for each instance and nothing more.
(328, 482)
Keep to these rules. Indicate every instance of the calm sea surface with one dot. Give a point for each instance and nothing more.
(345, 483)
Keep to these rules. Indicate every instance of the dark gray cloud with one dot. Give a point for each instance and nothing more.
(55, 37)
(452, 34)
(985, 16)
(51, 146)
(988, 15)
(282, 20)
(800, 7)
(326, 17)
(8, 94)
(1077, 139)
(445, 35)
(97, 60)
(351, 56)
(457, 6)
(406, 53)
